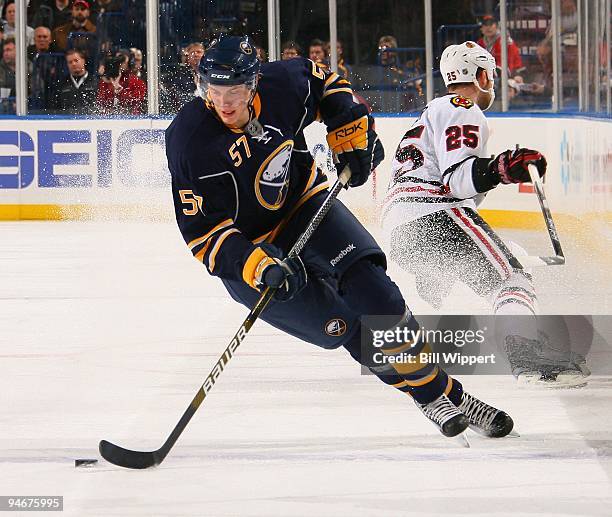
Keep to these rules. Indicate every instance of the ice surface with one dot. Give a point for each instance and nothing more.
(108, 329)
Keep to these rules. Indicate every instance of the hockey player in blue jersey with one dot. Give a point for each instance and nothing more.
(245, 186)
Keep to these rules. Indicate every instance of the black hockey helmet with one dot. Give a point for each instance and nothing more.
(230, 60)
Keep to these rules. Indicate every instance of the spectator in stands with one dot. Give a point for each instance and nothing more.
(193, 54)
(136, 63)
(80, 23)
(404, 88)
(101, 7)
(343, 68)
(9, 23)
(7, 77)
(388, 57)
(540, 78)
(491, 40)
(52, 13)
(77, 93)
(290, 49)
(178, 85)
(7, 66)
(119, 90)
(316, 52)
(42, 42)
(261, 54)
(569, 41)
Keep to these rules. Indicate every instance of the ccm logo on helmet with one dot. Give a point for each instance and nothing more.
(220, 76)
(347, 131)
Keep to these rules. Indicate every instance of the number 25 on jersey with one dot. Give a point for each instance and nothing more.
(466, 135)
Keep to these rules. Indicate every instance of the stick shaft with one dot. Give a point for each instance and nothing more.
(548, 219)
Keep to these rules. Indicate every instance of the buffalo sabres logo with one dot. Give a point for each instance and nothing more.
(335, 327)
(272, 179)
(245, 47)
(461, 102)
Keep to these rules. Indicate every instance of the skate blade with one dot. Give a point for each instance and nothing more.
(480, 432)
(462, 440)
(572, 380)
(563, 381)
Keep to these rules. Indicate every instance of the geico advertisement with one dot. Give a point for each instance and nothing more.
(115, 160)
(83, 155)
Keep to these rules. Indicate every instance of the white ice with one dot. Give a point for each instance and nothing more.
(108, 329)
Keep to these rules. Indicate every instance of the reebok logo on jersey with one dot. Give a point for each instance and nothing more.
(342, 254)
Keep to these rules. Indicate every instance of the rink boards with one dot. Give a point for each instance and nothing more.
(66, 168)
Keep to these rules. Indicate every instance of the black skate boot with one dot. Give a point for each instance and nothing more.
(485, 419)
(445, 415)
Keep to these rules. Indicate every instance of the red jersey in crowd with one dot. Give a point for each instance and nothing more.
(515, 63)
(129, 100)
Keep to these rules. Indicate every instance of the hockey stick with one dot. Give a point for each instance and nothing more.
(559, 258)
(145, 459)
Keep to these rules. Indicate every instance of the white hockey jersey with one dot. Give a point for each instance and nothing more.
(432, 167)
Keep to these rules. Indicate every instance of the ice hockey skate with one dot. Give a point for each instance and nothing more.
(445, 416)
(534, 362)
(485, 419)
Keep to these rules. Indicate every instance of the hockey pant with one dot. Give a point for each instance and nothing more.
(456, 244)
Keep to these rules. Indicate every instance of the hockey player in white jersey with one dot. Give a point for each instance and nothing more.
(440, 171)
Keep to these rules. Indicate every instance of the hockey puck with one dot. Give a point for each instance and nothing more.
(85, 462)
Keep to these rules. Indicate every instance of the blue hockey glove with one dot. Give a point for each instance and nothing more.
(264, 267)
(354, 143)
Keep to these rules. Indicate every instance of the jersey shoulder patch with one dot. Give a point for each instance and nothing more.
(459, 101)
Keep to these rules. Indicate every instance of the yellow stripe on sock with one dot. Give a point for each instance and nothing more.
(425, 380)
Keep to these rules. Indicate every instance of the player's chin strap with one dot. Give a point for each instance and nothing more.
(252, 114)
(490, 91)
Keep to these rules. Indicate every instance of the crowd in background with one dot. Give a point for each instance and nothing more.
(78, 64)
(74, 66)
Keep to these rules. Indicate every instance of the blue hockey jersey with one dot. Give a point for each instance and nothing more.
(233, 188)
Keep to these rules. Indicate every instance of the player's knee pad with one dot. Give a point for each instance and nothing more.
(367, 289)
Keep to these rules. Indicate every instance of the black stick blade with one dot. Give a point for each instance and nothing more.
(127, 458)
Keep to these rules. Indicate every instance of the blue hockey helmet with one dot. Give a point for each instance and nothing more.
(230, 60)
